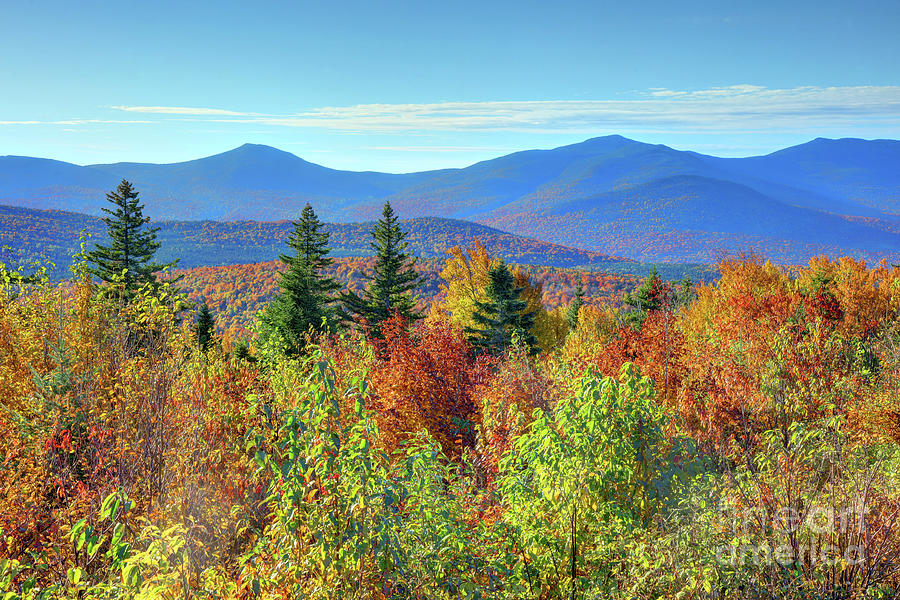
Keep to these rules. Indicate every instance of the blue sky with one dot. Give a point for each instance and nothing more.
(403, 86)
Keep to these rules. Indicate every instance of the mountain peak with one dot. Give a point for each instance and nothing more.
(614, 140)
(249, 149)
(257, 147)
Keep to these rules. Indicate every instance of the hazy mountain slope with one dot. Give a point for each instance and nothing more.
(253, 181)
(599, 164)
(694, 218)
(53, 235)
(45, 183)
(846, 175)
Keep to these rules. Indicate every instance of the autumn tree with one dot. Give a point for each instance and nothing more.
(465, 276)
(306, 292)
(503, 317)
(424, 379)
(128, 258)
(393, 277)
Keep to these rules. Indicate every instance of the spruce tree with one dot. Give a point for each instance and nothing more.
(503, 316)
(392, 280)
(205, 327)
(685, 294)
(574, 306)
(648, 297)
(305, 291)
(132, 245)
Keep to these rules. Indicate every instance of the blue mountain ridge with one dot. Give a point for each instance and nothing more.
(826, 195)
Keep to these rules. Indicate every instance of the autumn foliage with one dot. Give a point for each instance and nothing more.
(614, 463)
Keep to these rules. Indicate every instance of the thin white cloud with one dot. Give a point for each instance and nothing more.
(181, 110)
(732, 109)
(70, 122)
(722, 109)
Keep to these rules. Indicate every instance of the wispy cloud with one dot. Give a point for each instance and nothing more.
(727, 109)
(71, 122)
(181, 110)
(730, 109)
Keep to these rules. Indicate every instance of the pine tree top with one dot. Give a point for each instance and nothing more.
(572, 313)
(393, 276)
(129, 256)
(306, 292)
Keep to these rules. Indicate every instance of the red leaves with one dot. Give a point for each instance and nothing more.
(823, 305)
(424, 380)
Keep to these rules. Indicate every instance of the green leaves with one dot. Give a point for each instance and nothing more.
(346, 517)
(76, 575)
(585, 476)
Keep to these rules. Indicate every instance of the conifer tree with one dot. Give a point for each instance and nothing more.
(205, 327)
(131, 246)
(648, 297)
(574, 306)
(685, 293)
(392, 280)
(503, 317)
(305, 291)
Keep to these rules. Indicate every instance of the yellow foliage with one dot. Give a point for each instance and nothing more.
(551, 328)
(465, 275)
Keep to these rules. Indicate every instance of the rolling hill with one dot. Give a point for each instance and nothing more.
(54, 235)
(609, 195)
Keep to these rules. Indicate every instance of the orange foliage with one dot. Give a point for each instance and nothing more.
(425, 380)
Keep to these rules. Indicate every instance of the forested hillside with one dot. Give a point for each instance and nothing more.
(369, 301)
(237, 293)
(398, 427)
(53, 235)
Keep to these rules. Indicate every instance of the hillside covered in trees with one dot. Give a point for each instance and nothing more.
(651, 457)
(53, 235)
(237, 293)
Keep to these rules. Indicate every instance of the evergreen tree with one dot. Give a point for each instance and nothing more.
(503, 317)
(241, 351)
(648, 297)
(392, 280)
(574, 306)
(205, 327)
(685, 294)
(132, 245)
(305, 290)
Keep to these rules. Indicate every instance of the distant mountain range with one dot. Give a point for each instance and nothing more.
(609, 195)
